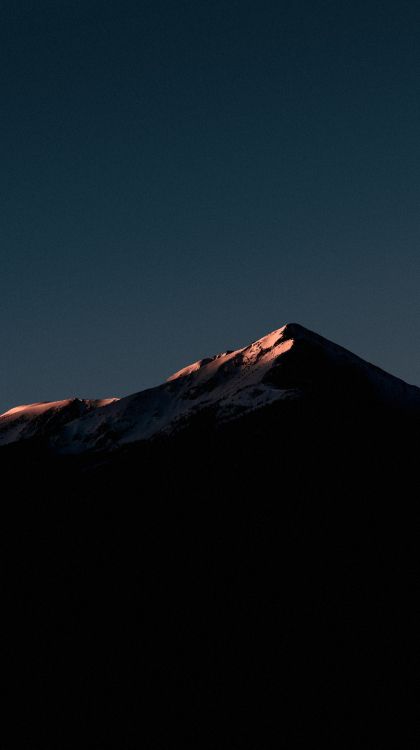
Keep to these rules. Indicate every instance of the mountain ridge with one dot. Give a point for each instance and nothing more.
(239, 560)
(292, 362)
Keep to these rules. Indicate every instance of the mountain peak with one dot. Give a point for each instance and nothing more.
(267, 343)
(289, 364)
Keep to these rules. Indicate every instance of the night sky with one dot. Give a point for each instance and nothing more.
(179, 178)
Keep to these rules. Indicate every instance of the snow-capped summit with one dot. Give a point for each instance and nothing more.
(280, 366)
(287, 364)
(262, 352)
(230, 383)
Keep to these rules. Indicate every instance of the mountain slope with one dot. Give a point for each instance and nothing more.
(247, 574)
(289, 364)
(43, 419)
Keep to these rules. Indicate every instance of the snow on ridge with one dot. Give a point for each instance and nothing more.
(35, 409)
(229, 384)
(45, 417)
(40, 407)
(213, 363)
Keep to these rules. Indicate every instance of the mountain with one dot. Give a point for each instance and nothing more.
(289, 364)
(228, 560)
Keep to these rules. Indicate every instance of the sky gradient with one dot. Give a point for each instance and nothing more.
(180, 178)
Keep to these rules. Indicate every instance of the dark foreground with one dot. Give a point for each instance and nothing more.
(251, 586)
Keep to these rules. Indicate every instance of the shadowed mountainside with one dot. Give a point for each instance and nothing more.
(288, 364)
(233, 582)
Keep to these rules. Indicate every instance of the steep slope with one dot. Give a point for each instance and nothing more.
(250, 576)
(290, 363)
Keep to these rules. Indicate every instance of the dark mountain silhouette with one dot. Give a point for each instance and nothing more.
(227, 560)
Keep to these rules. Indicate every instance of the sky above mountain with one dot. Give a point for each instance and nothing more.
(179, 178)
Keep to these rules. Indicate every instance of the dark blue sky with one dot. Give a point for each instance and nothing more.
(178, 178)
